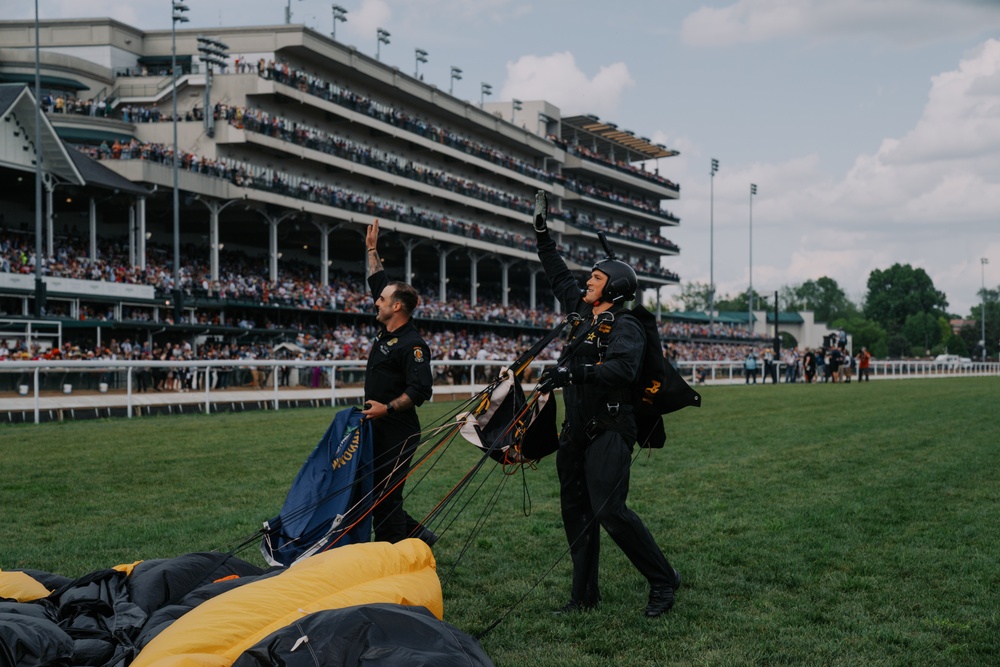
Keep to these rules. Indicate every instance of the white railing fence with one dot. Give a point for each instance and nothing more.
(31, 386)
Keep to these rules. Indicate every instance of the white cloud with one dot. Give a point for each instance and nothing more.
(903, 21)
(558, 79)
(929, 198)
(367, 18)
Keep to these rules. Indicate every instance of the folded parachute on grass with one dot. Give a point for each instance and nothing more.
(329, 503)
(214, 610)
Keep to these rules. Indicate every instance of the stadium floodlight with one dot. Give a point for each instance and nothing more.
(711, 249)
(213, 52)
(339, 14)
(421, 57)
(484, 90)
(288, 12)
(515, 106)
(456, 75)
(178, 12)
(383, 38)
(178, 17)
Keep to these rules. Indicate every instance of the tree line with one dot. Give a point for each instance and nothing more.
(901, 315)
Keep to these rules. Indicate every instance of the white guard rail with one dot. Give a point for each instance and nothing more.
(33, 386)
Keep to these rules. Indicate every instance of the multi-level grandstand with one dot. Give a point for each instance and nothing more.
(285, 154)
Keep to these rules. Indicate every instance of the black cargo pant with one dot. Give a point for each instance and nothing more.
(593, 488)
(393, 445)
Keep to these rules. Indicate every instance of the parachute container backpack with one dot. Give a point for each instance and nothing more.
(329, 503)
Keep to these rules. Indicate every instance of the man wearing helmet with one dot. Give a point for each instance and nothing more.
(598, 368)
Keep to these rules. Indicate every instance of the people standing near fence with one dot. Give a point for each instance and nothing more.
(750, 367)
(864, 365)
(397, 380)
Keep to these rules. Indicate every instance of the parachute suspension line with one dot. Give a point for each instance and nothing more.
(481, 402)
(525, 494)
(376, 463)
(477, 528)
(383, 494)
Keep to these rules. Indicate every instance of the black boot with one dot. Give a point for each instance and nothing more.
(661, 597)
(424, 533)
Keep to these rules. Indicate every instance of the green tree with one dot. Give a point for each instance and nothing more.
(973, 334)
(956, 345)
(738, 302)
(923, 332)
(694, 296)
(898, 292)
(897, 346)
(823, 296)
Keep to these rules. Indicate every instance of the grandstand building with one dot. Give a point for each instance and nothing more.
(286, 153)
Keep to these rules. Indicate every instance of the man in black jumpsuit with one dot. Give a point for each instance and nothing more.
(397, 380)
(597, 368)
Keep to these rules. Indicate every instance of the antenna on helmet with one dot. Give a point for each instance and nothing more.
(607, 248)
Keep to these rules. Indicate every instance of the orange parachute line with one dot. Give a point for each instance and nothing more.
(347, 530)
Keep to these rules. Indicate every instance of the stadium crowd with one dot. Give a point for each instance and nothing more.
(243, 281)
(244, 174)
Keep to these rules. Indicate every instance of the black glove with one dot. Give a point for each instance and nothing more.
(541, 211)
(560, 376)
(552, 378)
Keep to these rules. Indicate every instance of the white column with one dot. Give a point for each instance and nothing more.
(141, 205)
(443, 275)
(49, 233)
(213, 242)
(474, 277)
(131, 234)
(93, 229)
(272, 244)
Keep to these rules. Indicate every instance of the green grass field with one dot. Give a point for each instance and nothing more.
(813, 525)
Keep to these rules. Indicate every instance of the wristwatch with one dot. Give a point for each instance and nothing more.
(389, 408)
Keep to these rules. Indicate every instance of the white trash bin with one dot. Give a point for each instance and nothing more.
(67, 389)
(23, 389)
(102, 387)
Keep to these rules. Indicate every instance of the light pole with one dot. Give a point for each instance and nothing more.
(39, 283)
(383, 38)
(213, 52)
(515, 106)
(420, 56)
(177, 17)
(711, 248)
(753, 191)
(339, 14)
(484, 90)
(983, 261)
(456, 75)
(288, 12)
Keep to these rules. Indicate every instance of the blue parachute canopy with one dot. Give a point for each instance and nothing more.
(329, 503)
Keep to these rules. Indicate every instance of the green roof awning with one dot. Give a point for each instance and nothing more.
(164, 60)
(786, 318)
(46, 80)
(79, 135)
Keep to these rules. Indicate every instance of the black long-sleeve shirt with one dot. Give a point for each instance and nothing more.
(617, 371)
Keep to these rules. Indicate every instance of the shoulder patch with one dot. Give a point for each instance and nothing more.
(418, 355)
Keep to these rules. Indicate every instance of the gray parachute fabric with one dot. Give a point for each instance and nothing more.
(375, 635)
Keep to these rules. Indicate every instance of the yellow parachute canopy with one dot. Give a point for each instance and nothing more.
(218, 631)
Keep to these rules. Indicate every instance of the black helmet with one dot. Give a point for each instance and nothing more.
(622, 281)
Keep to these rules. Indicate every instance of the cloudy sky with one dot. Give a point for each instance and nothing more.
(870, 127)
